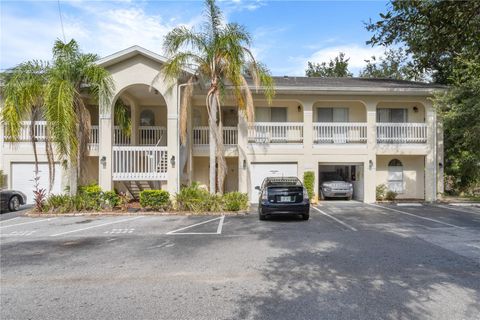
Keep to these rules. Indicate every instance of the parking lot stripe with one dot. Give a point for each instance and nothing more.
(91, 227)
(3, 221)
(414, 215)
(220, 225)
(198, 224)
(20, 224)
(456, 209)
(337, 220)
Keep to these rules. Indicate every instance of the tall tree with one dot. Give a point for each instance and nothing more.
(395, 64)
(59, 94)
(218, 54)
(433, 32)
(337, 67)
(443, 39)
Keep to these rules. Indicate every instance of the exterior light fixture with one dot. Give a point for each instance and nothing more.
(299, 108)
(172, 161)
(370, 164)
(244, 164)
(415, 109)
(440, 165)
(103, 161)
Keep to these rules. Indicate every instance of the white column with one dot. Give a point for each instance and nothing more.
(306, 163)
(242, 153)
(430, 162)
(105, 142)
(134, 116)
(173, 141)
(370, 164)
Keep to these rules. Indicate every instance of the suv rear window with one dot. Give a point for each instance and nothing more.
(287, 181)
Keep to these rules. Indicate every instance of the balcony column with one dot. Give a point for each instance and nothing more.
(173, 140)
(135, 119)
(430, 162)
(306, 163)
(243, 170)
(370, 164)
(105, 139)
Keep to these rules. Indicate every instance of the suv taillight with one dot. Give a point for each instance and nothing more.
(305, 194)
(265, 194)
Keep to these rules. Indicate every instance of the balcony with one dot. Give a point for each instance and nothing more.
(400, 133)
(339, 132)
(201, 136)
(276, 133)
(40, 132)
(139, 163)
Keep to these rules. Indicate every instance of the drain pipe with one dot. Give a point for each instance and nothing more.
(435, 161)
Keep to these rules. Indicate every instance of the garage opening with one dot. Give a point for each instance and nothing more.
(347, 172)
(261, 170)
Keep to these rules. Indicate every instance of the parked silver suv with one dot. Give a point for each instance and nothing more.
(334, 186)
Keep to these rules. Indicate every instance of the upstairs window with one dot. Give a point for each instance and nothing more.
(147, 118)
(332, 114)
(266, 114)
(398, 115)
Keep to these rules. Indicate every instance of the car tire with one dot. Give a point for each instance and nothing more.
(14, 203)
(262, 217)
(349, 198)
(322, 197)
(305, 216)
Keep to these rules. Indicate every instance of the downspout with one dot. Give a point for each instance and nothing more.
(435, 156)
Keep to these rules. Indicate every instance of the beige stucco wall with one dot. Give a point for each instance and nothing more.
(200, 170)
(413, 174)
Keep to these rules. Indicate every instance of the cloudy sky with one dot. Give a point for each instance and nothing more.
(286, 34)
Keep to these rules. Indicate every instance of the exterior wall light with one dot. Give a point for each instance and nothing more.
(172, 161)
(299, 108)
(415, 109)
(244, 164)
(440, 165)
(370, 164)
(103, 161)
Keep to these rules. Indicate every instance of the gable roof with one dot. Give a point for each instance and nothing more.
(131, 52)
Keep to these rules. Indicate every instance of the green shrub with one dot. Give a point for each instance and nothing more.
(89, 198)
(110, 199)
(155, 199)
(391, 195)
(309, 182)
(194, 198)
(235, 201)
(61, 203)
(380, 192)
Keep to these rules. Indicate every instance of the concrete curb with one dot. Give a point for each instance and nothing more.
(139, 213)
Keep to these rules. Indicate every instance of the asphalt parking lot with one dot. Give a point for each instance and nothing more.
(349, 261)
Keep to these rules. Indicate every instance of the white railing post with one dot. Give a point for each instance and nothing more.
(339, 132)
(139, 163)
(401, 132)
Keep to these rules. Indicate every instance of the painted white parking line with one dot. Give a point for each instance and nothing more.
(219, 228)
(414, 215)
(19, 234)
(21, 224)
(406, 204)
(116, 231)
(337, 220)
(456, 209)
(8, 220)
(97, 226)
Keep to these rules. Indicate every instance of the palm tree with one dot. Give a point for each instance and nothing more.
(59, 94)
(219, 53)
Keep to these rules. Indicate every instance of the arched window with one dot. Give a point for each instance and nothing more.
(395, 176)
(147, 118)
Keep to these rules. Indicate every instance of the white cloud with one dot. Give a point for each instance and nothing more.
(356, 53)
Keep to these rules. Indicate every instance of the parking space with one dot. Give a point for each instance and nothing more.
(348, 253)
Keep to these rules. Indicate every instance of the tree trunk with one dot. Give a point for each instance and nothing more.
(73, 178)
(213, 143)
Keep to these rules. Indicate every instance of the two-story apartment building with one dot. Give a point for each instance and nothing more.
(370, 131)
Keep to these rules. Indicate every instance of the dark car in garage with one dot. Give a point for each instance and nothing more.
(283, 195)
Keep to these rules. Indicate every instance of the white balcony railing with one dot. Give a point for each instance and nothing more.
(201, 136)
(152, 135)
(39, 131)
(401, 132)
(339, 132)
(94, 138)
(275, 132)
(139, 163)
(120, 138)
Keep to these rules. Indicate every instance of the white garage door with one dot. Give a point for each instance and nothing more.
(260, 171)
(23, 174)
